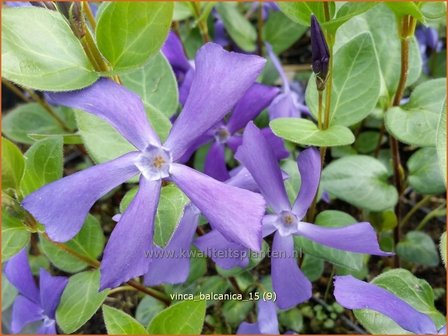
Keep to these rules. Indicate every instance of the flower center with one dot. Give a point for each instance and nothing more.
(154, 163)
(287, 223)
(222, 134)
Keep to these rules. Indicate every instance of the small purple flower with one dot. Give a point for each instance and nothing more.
(290, 103)
(220, 79)
(267, 322)
(290, 284)
(352, 293)
(33, 304)
(320, 53)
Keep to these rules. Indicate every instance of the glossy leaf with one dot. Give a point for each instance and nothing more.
(281, 32)
(360, 180)
(13, 165)
(305, 132)
(441, 142)
(183, 318)
(26, 122)
(129, 33)
(88, 242)
(238, 27)
(119, 323)
(147, 309)
(407, 8)
(356, 82)
(43, 164)
(40, 51)
(332, 218)
(381, 23)
(416, 292)
(345, 13)
(424, 172)
(15, 235)
(418, 248)
(300, 12)
(79, 301)
(415, 123)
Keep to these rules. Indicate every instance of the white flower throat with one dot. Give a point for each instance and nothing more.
(154, 163)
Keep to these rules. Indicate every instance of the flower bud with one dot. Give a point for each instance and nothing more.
(320, 53)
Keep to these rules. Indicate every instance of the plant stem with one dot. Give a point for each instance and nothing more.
(416, 207)
(406, 29)
(329, 85)
(260, 29)
(15, 90)
(89, 14)
(429, 216)
(235, 285)
(96, 264)
(47, 108)
(203, 29)
(327, 11)
(330, 281)
(319, 110)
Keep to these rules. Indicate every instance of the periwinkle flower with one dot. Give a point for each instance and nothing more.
(320, 53)
(352, 293)
(267, 322)
(220, 79)
(286, 220)
(289, 103)
(33, 304)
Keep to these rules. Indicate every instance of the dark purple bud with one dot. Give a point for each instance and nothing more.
(320, 53)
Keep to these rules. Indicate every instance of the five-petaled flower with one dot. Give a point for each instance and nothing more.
(220, 79)
(289, 283)
(33, 304)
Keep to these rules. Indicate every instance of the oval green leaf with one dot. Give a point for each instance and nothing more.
(80, 300)
(129, 33)
(356, 82)
(305, 132)
(360, 180)
(40, 51)
(183, 318)
(120, 323)
(418, 248)
(15, 235)
(13, 165)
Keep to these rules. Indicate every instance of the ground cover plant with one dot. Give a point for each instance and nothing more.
(224, 167)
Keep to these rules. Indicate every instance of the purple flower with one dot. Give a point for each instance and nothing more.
(33, 304)
(290, 284)
(320, 53)
(220, 79)
(288, 104)
(352, 293)
(267, 321)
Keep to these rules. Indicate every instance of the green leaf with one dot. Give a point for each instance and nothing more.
(40, 51)
(129, 33)
(156, 84)
(415, 123)
(305, 132)
(425, 176)
(183, 318)
(235, 312)
(381, 23)
(291, 319)
(79, 301)
(416, 292)
(418, 248)
(332, 218)
(433, 10)
(147, 309)
(441, 142)
(356, 82)
(9, 293)
(281, 32)
(120, 323)
(442, 247)
(32, 118)
(367, 142)
(43, 164)
(360, 180)
(238, 27)
(406, 8)
(171, 207)
(15, 235)
(312, 267)
(68, 138)
(88, 242)
(13, 165)
(300, 12)
(345, 13)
